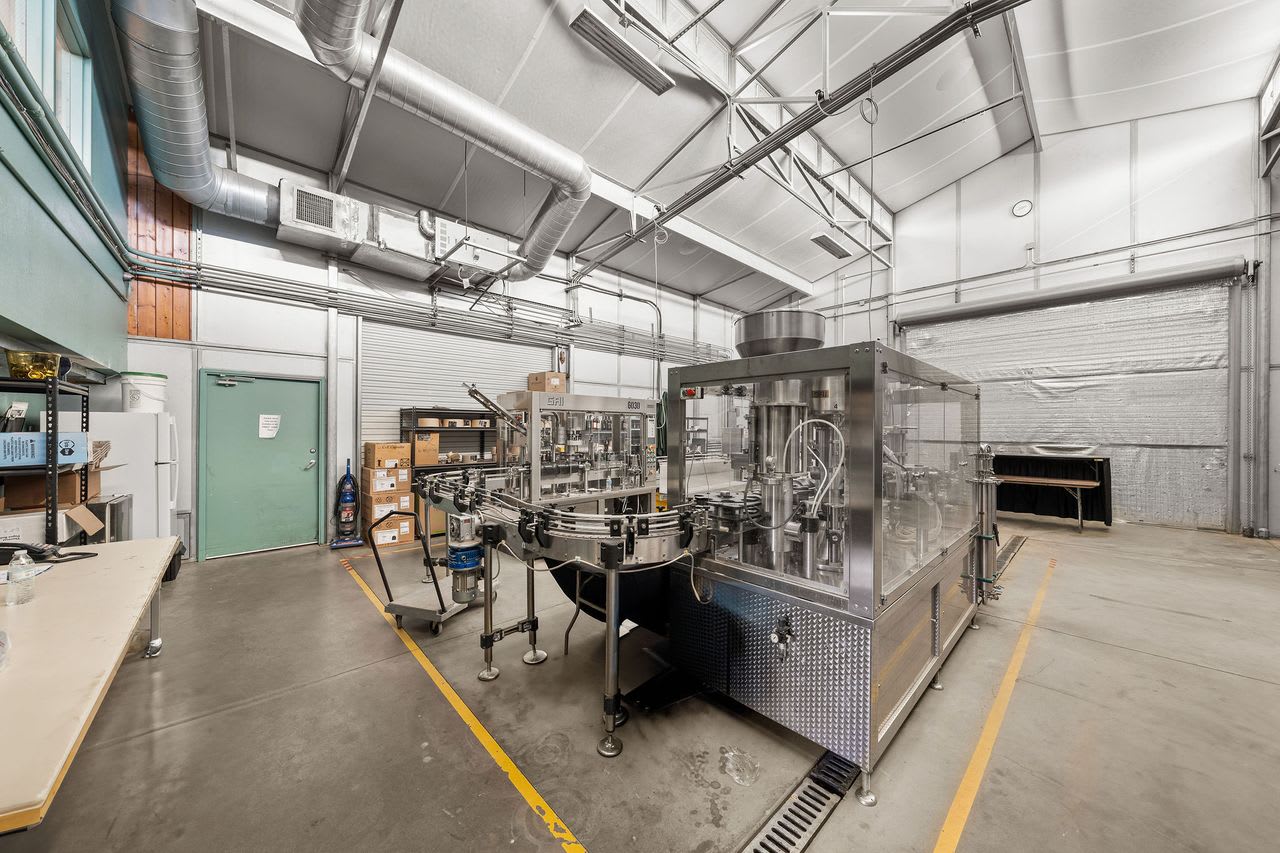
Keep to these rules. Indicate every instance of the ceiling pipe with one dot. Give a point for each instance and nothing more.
(160, 40)
(333, 30)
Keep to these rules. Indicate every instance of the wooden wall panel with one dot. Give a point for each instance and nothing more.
(159, 223)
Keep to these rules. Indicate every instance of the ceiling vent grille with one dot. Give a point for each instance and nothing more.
(313, 209)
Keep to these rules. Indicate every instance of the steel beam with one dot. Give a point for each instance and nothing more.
(1020, 75)
(957, 22)
(697, 20)
(231, 104)
(347, 150)
(926, 134)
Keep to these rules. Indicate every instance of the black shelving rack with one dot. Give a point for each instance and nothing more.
(53, 390)
(486, 439)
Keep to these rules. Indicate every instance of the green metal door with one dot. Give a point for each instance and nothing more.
(261, 454)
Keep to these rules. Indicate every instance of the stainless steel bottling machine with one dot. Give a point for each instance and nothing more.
(844, 549)
(820, 574)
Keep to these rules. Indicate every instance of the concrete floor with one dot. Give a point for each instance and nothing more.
(286, 714)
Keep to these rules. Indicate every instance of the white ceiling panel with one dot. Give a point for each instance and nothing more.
(1094, 62)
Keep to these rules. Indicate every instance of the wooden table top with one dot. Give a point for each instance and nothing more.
(1048, 481)
(65, 646)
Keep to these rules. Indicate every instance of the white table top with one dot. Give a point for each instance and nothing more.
(65, 647)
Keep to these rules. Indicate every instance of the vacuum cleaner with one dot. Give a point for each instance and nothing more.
(346, 510)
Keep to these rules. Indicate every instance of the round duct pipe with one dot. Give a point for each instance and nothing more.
(769, 332)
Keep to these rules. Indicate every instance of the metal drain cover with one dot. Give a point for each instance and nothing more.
(796, 822)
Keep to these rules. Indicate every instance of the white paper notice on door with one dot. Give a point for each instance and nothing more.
(268, 426)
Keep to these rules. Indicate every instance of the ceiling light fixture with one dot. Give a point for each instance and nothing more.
(827, 244)
(604, 38)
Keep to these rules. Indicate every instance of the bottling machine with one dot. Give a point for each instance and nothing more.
(820, 577)
(842, 559)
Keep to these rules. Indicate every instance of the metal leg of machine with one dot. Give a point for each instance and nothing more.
(490, 672)
(611, 558)
(535, 655)
(936, 684)
(865, 795)
(577, 607)
(154, 647)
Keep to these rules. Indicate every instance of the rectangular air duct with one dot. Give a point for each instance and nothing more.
(319, 219)
(612, 44)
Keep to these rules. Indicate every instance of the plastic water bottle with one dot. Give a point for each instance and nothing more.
(21, 587)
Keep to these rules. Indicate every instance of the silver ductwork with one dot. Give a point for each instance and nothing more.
(160, 40)
(333, 30)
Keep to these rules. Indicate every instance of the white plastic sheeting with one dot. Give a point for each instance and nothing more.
(1141, 379)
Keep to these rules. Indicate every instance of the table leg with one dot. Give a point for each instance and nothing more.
(154, 646)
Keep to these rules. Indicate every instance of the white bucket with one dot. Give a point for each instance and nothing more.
(144, 392)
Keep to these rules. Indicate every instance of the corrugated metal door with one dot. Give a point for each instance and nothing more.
(402, 367)
(1141, 379)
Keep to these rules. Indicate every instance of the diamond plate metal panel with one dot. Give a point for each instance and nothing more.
(819, 689)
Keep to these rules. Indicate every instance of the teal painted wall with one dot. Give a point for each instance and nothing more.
(56, 274)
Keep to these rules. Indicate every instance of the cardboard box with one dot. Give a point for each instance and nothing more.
(548, 381)
(386, 454)
(377, 505)
(426, 448)
(393, 531)
(27, 491)
(21, 449)
(433, 520)
(376, 480)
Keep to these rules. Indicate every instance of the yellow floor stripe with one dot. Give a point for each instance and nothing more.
(962, 804)
(555, 826)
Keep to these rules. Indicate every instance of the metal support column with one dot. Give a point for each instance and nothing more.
(492, 535)
(535, 655)
(614, 714)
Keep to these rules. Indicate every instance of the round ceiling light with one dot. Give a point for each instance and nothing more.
(1022, 208)
(688, 249)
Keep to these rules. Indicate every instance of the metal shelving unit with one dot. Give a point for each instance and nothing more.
(485, 438)
(53, 390)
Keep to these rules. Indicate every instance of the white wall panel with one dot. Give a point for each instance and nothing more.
(925, 237)
(1084, 192)
(227, 320)
(992, 239)
(594, 366)
(1195, 169)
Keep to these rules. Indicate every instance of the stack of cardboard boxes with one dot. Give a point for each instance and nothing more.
(384, 486)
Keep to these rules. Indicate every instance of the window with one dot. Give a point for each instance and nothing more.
(72, 85)
(53, 48)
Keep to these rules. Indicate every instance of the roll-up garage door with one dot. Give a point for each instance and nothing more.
(401, 367)
(1142, 379)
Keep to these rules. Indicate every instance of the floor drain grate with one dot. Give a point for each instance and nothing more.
(796, 822)
(1007, 553)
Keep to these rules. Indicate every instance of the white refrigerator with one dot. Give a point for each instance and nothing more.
(145, 447)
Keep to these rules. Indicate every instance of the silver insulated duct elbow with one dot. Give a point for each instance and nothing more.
(160, 40)
(333, 30)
